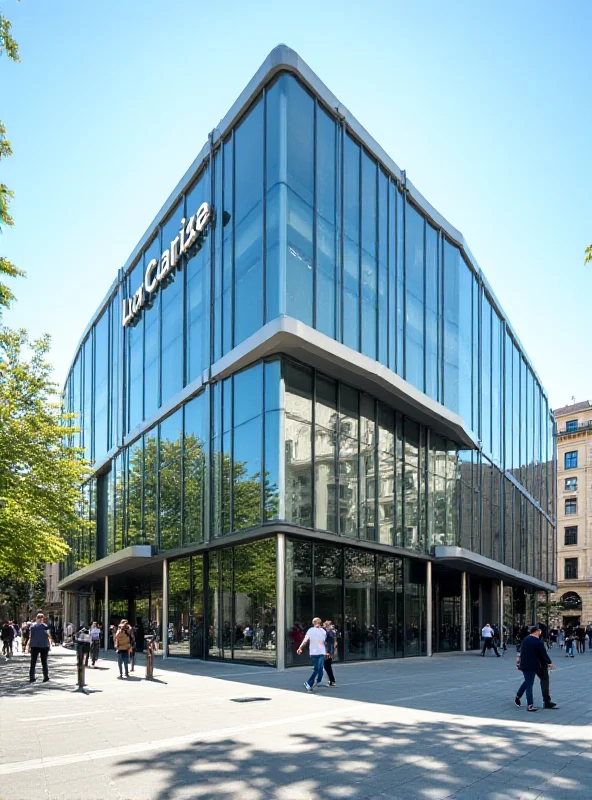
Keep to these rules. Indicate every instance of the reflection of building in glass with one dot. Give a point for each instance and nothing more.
(315, 405)
(573, 600)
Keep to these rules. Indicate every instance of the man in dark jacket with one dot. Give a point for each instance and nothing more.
(533, 654)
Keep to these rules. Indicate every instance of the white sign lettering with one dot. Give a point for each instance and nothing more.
(191, 234)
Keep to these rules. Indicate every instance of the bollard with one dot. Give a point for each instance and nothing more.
(149, 657)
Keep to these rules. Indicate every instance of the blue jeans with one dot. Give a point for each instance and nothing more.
(317, 669)
(527, 684)
(122, 660)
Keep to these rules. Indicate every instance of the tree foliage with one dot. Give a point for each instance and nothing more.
(8, 47)
(588, 254)
(40, 470)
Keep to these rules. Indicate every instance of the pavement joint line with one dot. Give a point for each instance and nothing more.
(163, 744)
(62, 716)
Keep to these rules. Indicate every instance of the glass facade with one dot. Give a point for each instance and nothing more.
(189, 451)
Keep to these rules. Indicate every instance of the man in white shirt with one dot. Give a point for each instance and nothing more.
(315, 637)
(488, 640)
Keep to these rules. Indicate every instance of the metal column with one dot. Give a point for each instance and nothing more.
(429, 608)
(463, 612)
(165, 608)
(280, 593)
(106, 615)
(501, 614)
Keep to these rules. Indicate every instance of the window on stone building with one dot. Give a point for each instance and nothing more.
(571, 535)
(571, 506)
(571, 425)
(571, 484)
(571, 459)
(571, 568)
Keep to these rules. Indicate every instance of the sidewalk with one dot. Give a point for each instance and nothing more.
(437, 728)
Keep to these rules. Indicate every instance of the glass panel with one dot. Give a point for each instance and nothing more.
(101, 392)
(369, 273)
(452, 261)
(197, 299)
(255, 601)
(197, 630)
(415, 611)
(328, 562)
(179, 607)
(432, 313)
(351, 227)
(325, 455)
(248, 394)
(271, 497)
(246, 497)
(194, 454)
(248, 224)
(135, 356)
(298, 598)
(386, 607)
(151, 315)
(300, 140)
(135, 494)
(150, 488)
(299, 259)
(360, 624)
(170, 476)
(172, 313)
(414, 282)
(326, 241)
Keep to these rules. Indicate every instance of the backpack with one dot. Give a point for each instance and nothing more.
(123, 640)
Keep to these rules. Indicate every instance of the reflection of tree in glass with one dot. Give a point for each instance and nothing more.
(142, 485)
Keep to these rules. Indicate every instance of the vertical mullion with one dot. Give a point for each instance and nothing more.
(264, 208)
(314, 217)
(312, 448)
(340, 229)
(360, 274)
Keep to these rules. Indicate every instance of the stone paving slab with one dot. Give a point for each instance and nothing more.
(440, 728)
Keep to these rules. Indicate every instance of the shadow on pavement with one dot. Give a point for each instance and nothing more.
(357, 759)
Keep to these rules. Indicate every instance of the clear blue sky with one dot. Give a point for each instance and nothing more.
(488, 106)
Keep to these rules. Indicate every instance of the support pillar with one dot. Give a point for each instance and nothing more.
(106, 615)
(501, 613)
(280, 605)
(463, 612)
(429, 608)
(165, 608)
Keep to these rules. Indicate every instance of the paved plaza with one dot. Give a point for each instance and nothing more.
(444, 727)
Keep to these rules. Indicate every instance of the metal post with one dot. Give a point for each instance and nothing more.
(501, 615)
(106, 616)
(280, 604)
(463, 612)
(165, 608)
(429, 608)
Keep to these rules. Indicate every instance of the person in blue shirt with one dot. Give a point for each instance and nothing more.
(533, 654)
(39, 643)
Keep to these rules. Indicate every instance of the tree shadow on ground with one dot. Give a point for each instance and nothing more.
(14, 675)
(355, 759)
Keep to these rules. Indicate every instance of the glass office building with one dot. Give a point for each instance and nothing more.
(301, 397)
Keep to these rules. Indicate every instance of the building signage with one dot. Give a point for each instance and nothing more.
(190, 236)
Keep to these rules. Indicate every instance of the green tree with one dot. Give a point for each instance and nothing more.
(8, 47)
(588, 254)
(40, 470)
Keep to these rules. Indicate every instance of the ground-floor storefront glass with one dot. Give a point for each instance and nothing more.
(222, 603)
(376, 601)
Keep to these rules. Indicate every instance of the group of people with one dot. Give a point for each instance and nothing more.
(573, 639)
(322, 643)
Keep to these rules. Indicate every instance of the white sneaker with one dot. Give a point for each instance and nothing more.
(307, 686)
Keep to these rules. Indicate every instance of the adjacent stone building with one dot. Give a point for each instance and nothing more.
(574, 512)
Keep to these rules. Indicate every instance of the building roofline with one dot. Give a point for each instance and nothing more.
(283, 59)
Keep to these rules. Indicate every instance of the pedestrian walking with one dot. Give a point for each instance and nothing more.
(569, 644)
(315, 638)
(488, 640)
(580, 633)
(95, 642)
(39, 643)
(330, 650)
(561, 638)
(123, 644)
(7, 634)
(532, 654)
(589, 633)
